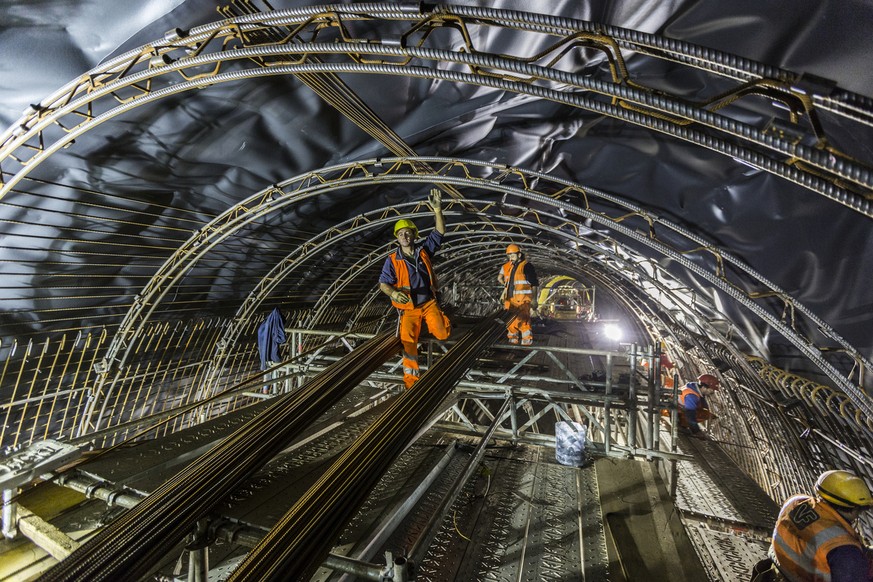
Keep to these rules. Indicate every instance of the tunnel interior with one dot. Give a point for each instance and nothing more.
(692, 184)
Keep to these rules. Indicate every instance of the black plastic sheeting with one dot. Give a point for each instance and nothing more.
(206, 151)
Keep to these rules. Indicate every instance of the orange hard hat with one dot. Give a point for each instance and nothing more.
(404, 223)
(513, 249)
(709, 381)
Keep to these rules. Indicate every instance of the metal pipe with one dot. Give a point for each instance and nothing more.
(421, 545)
(632, 400)
(98, 489)
(607, 424)
(10, 514)
(387, 527)
(553, 349)
(198, 554)
(513, 415)
(354, 567)
(250, 537)
(654, 384)
(674, 434)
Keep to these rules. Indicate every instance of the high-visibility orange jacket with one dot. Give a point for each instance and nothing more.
(402, 272)
(693, 406)
(690, 389)
(518, 285)
(807, 529)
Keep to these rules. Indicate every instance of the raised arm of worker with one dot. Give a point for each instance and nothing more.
(435, 201)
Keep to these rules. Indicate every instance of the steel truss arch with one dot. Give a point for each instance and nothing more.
(361, 265)
(511, 182)
(636, 104)
(613, 271)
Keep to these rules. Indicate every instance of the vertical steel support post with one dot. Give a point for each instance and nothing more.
(674, 434)
(198, 554)
(513, 417)
(633, 417)
(10, 514)
(652, 439)
(607, 409)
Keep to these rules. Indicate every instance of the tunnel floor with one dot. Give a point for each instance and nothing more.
(522, 515)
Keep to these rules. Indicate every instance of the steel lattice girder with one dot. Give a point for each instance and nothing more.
(85, 100)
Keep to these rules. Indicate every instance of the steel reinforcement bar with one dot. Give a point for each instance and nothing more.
(300, 542)
(131, 546)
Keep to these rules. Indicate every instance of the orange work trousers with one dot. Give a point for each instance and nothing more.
(410, 327)
(519, 326)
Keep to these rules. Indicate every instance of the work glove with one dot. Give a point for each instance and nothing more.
(399, 297)
(435, 200)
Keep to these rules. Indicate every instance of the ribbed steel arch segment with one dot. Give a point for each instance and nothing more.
(234, 40)
(549, 191)
(612, 261)
(465, 254)
(697, 245)
(496, 232)
(366, 262)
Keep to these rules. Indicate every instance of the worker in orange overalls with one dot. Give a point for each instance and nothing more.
(520, 288)
(814, 539)
(409, 280)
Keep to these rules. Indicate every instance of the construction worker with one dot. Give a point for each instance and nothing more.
(693, 407)
(814, 539)
(520, 288)
(409, 280)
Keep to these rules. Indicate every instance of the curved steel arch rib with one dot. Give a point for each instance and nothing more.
(550, 193)
(821, 168)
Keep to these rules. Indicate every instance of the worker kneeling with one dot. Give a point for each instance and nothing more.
(814, 539)
(693, 407)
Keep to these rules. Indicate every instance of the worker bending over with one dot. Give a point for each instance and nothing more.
(693, 407)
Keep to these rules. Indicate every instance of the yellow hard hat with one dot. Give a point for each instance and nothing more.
(513, 249)
(843, 489)
(404, 223)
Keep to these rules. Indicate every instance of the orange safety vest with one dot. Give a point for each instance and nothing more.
(685, 392)
(806, 530)
(520, 285)
(402, 273)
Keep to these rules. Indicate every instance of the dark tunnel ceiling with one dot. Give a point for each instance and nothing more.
(180, 161)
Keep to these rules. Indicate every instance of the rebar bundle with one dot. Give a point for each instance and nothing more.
(131, 546)
(299, 543)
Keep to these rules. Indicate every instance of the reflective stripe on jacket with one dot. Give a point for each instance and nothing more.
(807, 529)
(402, 271)
(516, 283)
